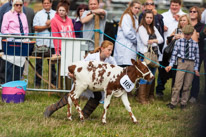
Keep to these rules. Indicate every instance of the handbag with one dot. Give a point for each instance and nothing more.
(151, 58)
(41, 51)
(168, 51)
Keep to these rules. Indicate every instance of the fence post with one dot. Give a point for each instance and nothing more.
(96, 34)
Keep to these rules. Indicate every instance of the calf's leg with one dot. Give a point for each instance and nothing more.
(75, 99)
(107, 100)
(127, 106)
(69, 111)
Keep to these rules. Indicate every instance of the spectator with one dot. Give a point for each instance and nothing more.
(29, 15)
(170, 19)
(177, 34)
(61, 25)
(195, 16)
(5, 8)
(159, 24)
(87, 20)
(77, 23)
(147, 35)
(42, 24)
(102, 53)
(14, 22)
(186, 53)
(203, 36)
(126, 35)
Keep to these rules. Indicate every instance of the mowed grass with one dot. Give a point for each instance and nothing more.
(155, 119)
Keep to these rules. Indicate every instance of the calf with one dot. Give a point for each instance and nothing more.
(100, 76)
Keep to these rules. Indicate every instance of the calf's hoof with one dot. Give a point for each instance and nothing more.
(135, 122)
(69, 118)
(82, 119)
(104, 122)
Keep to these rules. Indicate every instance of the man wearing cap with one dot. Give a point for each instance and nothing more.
(186, 53)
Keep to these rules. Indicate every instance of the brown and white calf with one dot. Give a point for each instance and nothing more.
(100, 76)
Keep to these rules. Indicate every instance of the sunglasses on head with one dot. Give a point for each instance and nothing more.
(18, 5)
(193, 11)
(147, 3)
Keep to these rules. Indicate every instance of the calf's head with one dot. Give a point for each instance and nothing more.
(142, 68)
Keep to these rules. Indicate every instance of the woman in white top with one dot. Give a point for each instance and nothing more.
(126, 35)
(147, 35)
(103, 54)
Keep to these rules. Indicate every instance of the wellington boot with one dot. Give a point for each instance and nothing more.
(151, 91)
(142, 94)
(90, 106)
(54, 107)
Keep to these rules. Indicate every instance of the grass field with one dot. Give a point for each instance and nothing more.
(155, 119)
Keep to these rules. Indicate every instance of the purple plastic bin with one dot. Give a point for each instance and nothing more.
(13, 94)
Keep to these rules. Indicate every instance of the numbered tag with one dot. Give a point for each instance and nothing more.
(126, 83)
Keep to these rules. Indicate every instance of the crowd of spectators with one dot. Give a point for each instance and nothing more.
(140, 26)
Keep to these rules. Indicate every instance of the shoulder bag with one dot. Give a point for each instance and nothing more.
(41, 51)
(151, 58)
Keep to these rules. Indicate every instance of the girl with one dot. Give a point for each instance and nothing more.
(102, 53)
(77, 23)
(126, 35)
(61, 25)
(147, 35)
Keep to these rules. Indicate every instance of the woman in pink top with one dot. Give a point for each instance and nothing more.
(14, 22)
(11, 23)
(61, 25)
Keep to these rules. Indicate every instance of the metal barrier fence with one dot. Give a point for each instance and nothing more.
(22, 62)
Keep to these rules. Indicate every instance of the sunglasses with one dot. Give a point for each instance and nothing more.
(193, 11)
(18, 5)
(149, 3)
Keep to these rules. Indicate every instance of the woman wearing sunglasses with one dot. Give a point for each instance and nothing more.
(11, 20)
(14, 23)
(195, 16)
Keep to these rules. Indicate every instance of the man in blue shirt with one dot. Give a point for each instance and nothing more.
(186, 53)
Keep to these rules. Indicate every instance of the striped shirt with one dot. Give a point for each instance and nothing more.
(179, 52)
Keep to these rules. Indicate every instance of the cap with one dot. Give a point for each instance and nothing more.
(188, 29)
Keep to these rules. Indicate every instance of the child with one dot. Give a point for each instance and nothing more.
(186, 53)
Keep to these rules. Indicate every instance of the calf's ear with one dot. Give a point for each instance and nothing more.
(133, 61)
(72, 68)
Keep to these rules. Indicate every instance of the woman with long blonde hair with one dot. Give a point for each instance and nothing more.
(126, 42)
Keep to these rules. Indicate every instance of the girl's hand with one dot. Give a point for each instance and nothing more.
(197, 73)
(71, 75)
(152, 41)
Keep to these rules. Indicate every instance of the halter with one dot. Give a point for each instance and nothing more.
(143, 74)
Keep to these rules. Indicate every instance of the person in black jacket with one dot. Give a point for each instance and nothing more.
(195, 16)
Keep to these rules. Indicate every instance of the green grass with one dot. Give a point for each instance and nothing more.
(155, 119)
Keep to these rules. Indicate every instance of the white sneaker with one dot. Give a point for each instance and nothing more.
(192, 100)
